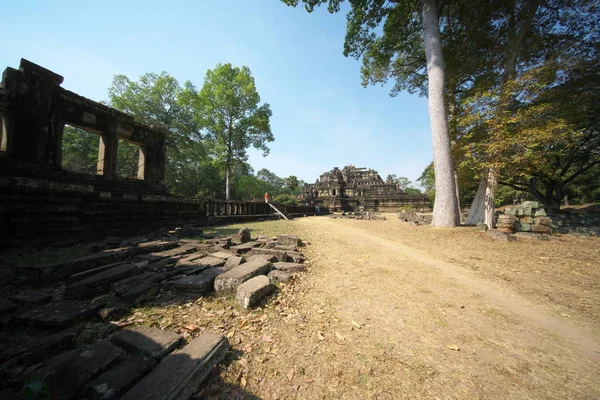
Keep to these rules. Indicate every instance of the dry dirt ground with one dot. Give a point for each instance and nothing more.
(388, 310)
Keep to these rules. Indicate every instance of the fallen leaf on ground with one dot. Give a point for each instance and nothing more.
(356, 324)
(308, 380)
(320, 336)
(267, 339)
(320, 311)
(290, 376)
(243, 382)
(340, 336)
(454, 347)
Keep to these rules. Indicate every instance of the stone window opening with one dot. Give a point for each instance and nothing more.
(3, 133)
(79, 150)
(130, 160)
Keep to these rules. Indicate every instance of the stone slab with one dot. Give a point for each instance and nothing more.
(224, 255)
(99, 283)
(502, 236)
(152, 247)
(85, 274)
(114, 382)
(482, 227)
(139, 288)
(290, 267)
(60, 313)
(209, 261)
(543, 221)
(180, 374)
(244, 247)
(288, 240)
(265, 257)
(6, 306)
(229, 281)
(151, 342)
(281, 255)
(541, 228)
(29, 297)
(102, 258)
(201, 284)
(233, 262)
(67, 373)
(277, 276)
(156, 256)
(294, 256)
(286, 247)
(254, 290)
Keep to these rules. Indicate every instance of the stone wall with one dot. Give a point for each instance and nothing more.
(529, 216)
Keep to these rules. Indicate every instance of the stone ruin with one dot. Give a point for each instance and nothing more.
(44, 320)
(44, 204)
(529, 216)
(359, 189)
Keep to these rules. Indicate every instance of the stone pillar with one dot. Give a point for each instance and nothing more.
(107, 155)
(141, 172)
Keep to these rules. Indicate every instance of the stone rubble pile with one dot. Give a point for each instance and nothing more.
(529, 216)
(415, 218)
(366, 215)
(143, 363)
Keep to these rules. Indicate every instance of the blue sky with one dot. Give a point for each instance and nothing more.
(322, 116)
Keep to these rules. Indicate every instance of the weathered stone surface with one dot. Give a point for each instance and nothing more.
(243, 235)
(180, 374)
(6, 306)
(502, 236)
(541, 228)
(175, 252)
(543, 221)
(114, 382)
(526, 220)
(279, 276)
(229, 281)
(40, 348)
(190, 258)
(200, 284)
(152, 247)
(540, 212)
(481, 226)
(288, 240)
(523, 227)
(233, 262)
(531, 236)
(294, 256)
(281, 255)
(286, 247)
(67, 373)
(99, 283)
(47, 273)
(244, 248)
(224, 255)
(290, 267)
(254, 290)
(264, 257)
(139, 288)
(29, 297)
(85, 274)
(60, 313)
(152, 342)
(98, 259)
(210, 262)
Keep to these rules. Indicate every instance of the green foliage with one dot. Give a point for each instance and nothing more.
(412, 191)
(427, 181)
(79, 150)
(286, 200)
(229, 111)
(291, 182)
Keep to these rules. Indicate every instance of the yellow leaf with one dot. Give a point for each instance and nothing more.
(356, 324)
(340, 336)
(454, 347)
(243, 382)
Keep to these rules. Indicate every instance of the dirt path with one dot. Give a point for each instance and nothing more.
(376, 318)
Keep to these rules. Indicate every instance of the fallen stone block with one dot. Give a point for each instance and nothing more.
(254, 290)
(294, 256)
(176, 252)
(288, 240)
(139, 288)
(201, 284)
(279, 276)
(530, 204)
(180, 374)
(99, 283)
(281, 255)
(233, 262)
(151, 342)
(244, 248)
(67, 373)
(290, 267)
(99, 259)
(265, 257)
(229, 281)
(286, 247)
(482, 227)
(60, 313)
(6, 306)
(120, 378)
(502, 236)
(224, 255)
(152, 247)
(30, 297)
(47, 273)
(541, 228)
(543, 221)
(243, 235)
(85, 274)
(209, 262)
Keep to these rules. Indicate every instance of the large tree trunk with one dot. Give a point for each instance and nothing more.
(445, 206)
(227, 193)
(490, 197)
